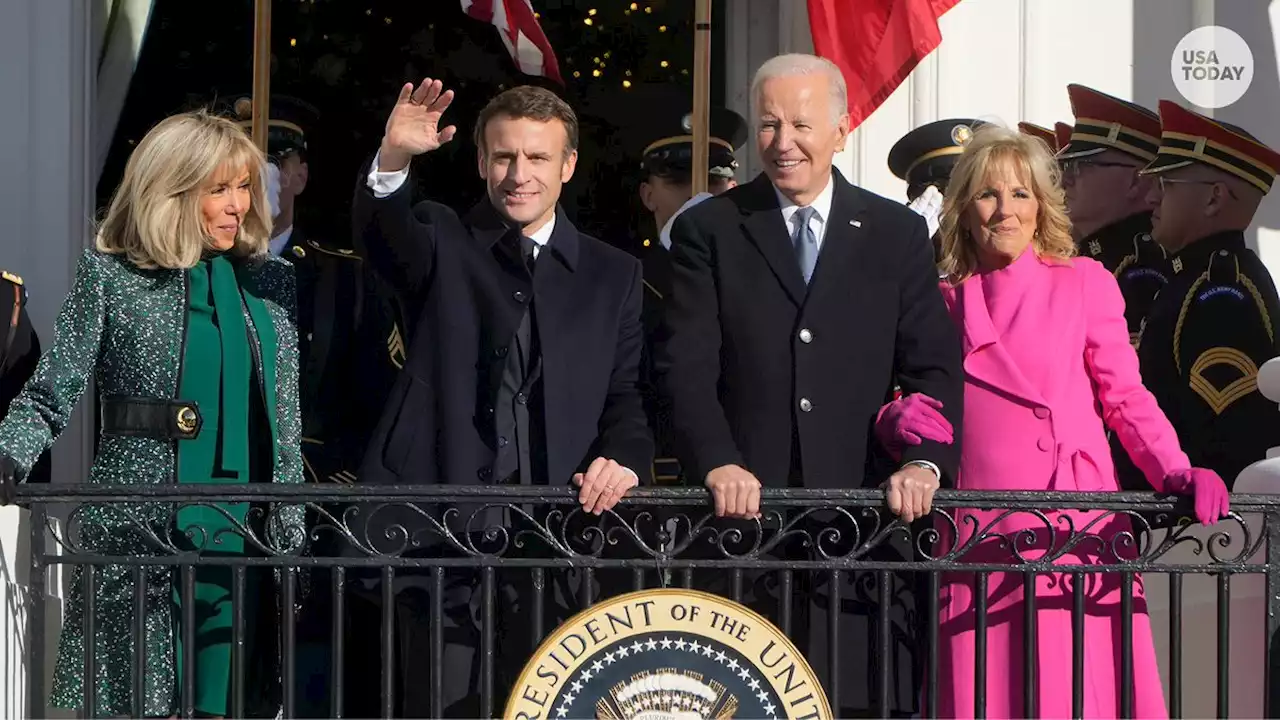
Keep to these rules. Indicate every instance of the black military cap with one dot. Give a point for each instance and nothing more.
(926, 155)
(287, 124)
(668, 150)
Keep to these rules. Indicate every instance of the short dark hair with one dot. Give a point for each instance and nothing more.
(534, 103)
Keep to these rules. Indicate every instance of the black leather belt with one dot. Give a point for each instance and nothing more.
(162, 418)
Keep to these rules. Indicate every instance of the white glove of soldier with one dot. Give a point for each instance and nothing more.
(271, 183)
(928, 206)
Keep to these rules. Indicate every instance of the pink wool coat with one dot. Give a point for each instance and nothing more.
(1048, 364)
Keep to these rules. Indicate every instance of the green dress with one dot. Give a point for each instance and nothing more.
(218, 374)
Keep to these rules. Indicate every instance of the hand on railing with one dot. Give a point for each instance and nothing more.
(909, 421)
(1213, 501)
(8, 480)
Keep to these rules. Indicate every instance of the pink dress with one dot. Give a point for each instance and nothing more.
(1048, 362)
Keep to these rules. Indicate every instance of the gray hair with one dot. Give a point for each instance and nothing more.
(802, 64)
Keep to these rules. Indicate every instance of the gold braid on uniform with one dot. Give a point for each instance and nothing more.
(1247, 383)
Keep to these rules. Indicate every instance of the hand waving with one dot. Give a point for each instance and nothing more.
(414, 125)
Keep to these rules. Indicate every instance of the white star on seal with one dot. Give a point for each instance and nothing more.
(608, 659)
(755, 684)
(680, 643)
(694, 647)
(587, 675)
(622, 651)
(568, 699)
(769, 708)
(637, 648)
(577, 686)
(562, 711)
(666, 643)
(708, 650)
(597, 666)
(651, 645)
(762, 695)
(745, 674)
(720, 657)
(733, 663)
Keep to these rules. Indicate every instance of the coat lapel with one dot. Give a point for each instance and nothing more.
(985, 358)
(763, 225)
(841, 241)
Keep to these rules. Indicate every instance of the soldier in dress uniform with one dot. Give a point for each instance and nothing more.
(1107, 199)
(666, 189)
(19, 353)
(1214, 324)
(924, 158)
(351, 342)
(350, 349)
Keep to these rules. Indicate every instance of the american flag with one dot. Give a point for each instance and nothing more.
(521, 33)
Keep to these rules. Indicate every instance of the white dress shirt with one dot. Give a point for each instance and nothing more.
(278, 243)
(822, 211)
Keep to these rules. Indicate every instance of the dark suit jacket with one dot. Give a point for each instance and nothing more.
(464, 297)
(757, 362)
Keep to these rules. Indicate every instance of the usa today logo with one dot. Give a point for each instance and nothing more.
(1212, 66)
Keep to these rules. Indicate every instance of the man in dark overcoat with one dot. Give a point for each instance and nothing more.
(798, 301)
(521, 371)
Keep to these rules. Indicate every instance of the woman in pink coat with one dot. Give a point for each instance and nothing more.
(1048, 369)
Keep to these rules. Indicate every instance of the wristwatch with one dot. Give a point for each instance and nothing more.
(927, 466)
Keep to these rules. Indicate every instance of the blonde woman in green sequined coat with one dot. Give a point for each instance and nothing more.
(187, 326)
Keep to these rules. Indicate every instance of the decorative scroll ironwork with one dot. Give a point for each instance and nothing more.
(666, 527)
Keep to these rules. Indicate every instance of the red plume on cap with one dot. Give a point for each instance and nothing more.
(1188, 137)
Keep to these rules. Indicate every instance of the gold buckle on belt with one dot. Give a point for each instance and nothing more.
(187, 420)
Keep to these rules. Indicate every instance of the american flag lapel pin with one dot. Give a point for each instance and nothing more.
(856, 223)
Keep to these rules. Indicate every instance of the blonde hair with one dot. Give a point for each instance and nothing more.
(991, 148)
(154, 217)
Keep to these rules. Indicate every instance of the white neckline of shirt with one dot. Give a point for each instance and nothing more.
(821, 205)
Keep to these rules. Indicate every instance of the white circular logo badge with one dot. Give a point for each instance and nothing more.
(1212, 66)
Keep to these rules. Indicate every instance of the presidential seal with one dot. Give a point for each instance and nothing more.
(666, 655)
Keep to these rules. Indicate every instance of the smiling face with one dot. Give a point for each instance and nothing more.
(224, 202)
(798, 134)
(1003, 215)
(525, 164)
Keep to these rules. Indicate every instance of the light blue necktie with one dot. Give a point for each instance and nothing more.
(805, 242)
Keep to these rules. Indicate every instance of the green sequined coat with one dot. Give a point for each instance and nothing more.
(123, 327)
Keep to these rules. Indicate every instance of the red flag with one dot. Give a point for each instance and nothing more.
(520, 32)
(876, 44)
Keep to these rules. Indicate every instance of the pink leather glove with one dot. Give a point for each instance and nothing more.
(1212, 499)
(911, 420)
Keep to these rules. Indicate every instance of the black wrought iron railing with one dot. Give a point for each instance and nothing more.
(878, 654)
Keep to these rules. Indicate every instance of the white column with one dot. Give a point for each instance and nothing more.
(46, 191)
(47, 200)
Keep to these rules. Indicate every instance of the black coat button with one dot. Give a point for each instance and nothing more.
(522, 398)
(502, 442)
(500, 352)
(484, 474)
(520, 296)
